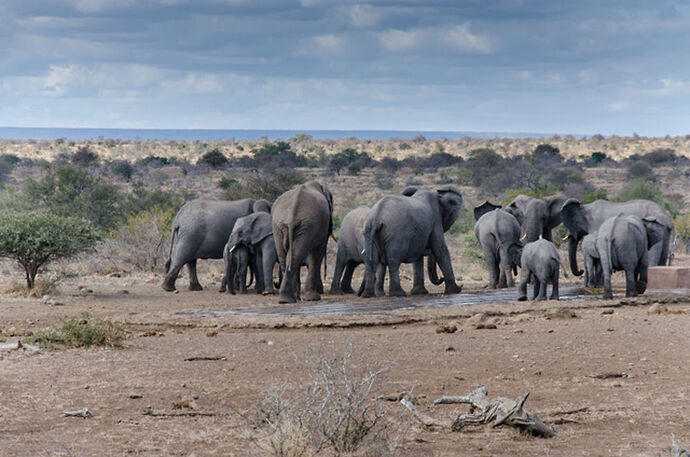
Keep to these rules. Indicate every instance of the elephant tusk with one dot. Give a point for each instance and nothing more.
(232, 248)
(523, 237)
(363, 251)
(566, 237)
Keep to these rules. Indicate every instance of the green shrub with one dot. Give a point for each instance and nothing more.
(84, 156)
(81, 332)
(214, 159)
(598, 157)
(597, 194)
(36, 238)
(269, 186)
(142, 199)
(640, 170)
(67, 190)
(122, 169)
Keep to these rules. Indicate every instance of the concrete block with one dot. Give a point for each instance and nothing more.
(668, 278)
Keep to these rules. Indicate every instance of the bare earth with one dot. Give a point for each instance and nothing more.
(612, 379)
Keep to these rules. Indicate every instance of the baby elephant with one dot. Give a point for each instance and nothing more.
(540, 263)
(594, 276)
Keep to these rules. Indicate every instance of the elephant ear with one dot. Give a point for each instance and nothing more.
(655, 230)
(262, 206)
(450, 199)
(409, 191)
(516, 213)
(572, 216)
(261, 228)
(484, 208)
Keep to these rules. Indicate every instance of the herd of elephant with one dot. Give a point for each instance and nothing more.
(407, 227)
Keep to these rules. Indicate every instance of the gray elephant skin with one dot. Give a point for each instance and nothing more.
(302, 223)
(498, 232)
(255, 233)
(540, 265)
(350, 250)
(199, 231)
(404, 228)
(582, 219)
(541, 215)
(622, 246)
(593, 275)
(237, 262)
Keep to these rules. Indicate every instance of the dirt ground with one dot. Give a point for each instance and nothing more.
(613, 379)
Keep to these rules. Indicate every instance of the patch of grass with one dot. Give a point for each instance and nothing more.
(81, 332)
(41, 288)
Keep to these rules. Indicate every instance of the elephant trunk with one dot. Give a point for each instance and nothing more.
(432, 272)
(572, 255)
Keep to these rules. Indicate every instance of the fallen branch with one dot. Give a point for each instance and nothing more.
(199, 358)
(499, 411)
(84, 412)
(676, 450)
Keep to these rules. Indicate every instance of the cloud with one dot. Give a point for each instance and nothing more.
(461, 38)
(329, 43)
(400, 40)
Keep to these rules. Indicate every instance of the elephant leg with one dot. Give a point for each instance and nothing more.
(606, 269)
(289, 285)
(492, 266)
(554, 285)
(380, 279)
(656, 253)
(361, 289)
(346, 283)
(242, 273)
(193, 278)
(542, 289)
(340, 266)
(311, 292)
(169, 281)
(535, 286)
(630, 290)
(258, 265)
(268, 260)
(418, 278)
(394, 288)
(641, 277)
(522, 289)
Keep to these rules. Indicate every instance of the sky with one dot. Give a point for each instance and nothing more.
(544, 66)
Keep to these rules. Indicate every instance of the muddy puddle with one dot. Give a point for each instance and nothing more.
(378, 305)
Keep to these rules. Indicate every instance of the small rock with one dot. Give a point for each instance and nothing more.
(518, 330)
(81, 287)
(446, 329)
(28, 332)
(261, 341)
(135, 396)
(607, 311)
(12, 331)
(658, 308)
(483, 326)
(211, 332)
(270, 343)
(450, 349)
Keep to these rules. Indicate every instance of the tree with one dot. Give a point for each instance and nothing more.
(66, 190)
(214, 158)
(36, 238)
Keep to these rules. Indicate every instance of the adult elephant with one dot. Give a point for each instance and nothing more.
(582, 219)
(255, 232)
(498, 233)
(541, 215)
(400, 229)
(199, 231)
(302, 222)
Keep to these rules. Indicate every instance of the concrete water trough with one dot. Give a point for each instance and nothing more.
(668, 278)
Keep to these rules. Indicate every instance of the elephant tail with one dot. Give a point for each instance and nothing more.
(671, 244)
(431, 270)
(172, 244)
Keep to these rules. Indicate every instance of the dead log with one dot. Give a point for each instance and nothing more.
(497, 412)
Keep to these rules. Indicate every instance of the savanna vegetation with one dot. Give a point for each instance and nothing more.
(116, 199)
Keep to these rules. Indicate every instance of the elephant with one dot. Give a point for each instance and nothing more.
(200, 230)
(540, 264)
(541, 215)
(622, 245)
(582, 219)
(302, 222)
(498, 233)
(350, 250)
(255, 233)
(404, 228)
(593, 274)
(235, 273)
(262, 206)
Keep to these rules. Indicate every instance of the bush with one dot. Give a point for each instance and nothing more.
(682, 224)
(122, 169)
(640, 189)
(84, 156)
(214, 159)
(67, 190)
(81, 332)
(268, 187)
(36, 238)
(640, 170)
(142, 199)
(598, 157)
(154, 161)
(7, 164)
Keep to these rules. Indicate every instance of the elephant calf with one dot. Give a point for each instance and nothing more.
(498, 232)
(594, 277)
(236, 260)
(540, 264)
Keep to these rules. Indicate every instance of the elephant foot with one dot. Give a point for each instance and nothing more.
(284, 298)
(348, 290)
(311, 295)
(554, 297)
(452, 288)
(522, 298)
(608, 295)
(419, 291)
(168, 287)
(196, 286)
(641, 287)
(397, 293)
(268, 292)
(367, 293)
(221, 290)
(335, 291)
